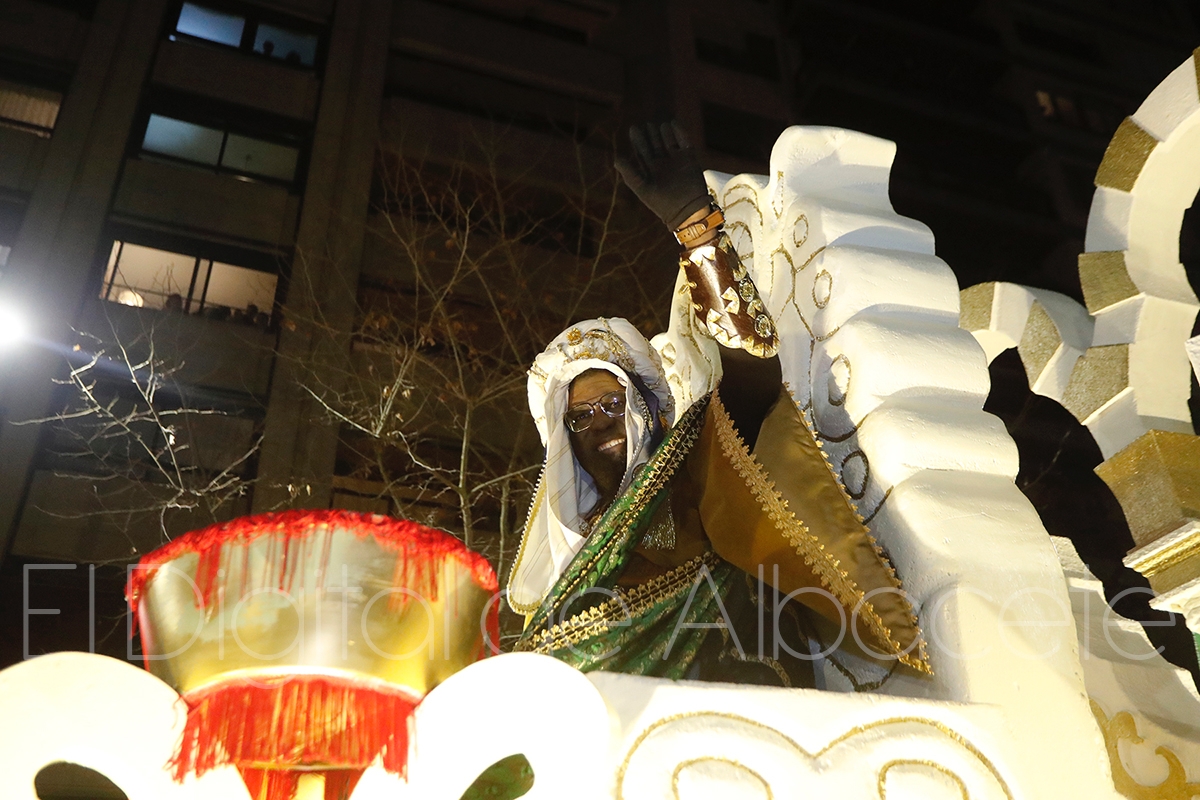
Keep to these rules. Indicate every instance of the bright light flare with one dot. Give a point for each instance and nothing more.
(128, 297)
(13, 327)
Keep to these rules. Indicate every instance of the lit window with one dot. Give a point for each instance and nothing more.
(249, 33)
(173, 137)
(215, 26)
(228, 152)
(147, 277)
(256, 157)
(28, 108)
(287, 45)
(238, 287)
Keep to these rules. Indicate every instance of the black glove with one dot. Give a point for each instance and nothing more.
(664, 172)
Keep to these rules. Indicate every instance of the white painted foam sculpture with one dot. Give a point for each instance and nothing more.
(1132, 280)
(1142, 701)
(1124, 369)
(1050, 331)
(894, 388)
(107, 715)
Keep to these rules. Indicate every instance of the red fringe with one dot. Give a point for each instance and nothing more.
(271, 724)
(422, 553)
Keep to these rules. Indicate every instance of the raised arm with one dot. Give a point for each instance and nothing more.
(665, 174)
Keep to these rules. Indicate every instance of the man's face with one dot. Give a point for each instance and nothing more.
(600, 448)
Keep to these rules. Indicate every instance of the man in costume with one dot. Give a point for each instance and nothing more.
(659, 542)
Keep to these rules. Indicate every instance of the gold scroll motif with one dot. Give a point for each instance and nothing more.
(691, 762)
(878, 726)
(1123, 727)
(930, 765)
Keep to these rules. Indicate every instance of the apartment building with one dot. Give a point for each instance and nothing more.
(177, 172)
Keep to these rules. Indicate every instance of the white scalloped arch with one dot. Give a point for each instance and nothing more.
(1123, 368)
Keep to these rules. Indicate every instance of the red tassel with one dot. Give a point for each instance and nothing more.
(297, 721)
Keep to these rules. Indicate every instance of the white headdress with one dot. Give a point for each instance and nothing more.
(565, 492)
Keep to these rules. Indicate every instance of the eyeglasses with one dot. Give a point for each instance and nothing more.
(579, 417)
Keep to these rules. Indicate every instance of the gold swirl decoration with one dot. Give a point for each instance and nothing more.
(783, 236)
(1123, 727)
(750, 753)
(738, 769)
(841, 272)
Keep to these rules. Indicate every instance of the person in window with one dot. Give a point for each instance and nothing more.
(656, 539)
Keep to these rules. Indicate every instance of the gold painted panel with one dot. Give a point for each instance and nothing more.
(1156, 479)
(1099, 375)
(975, 306)
(1039, 341)
(1105, 279)
(1125, 157)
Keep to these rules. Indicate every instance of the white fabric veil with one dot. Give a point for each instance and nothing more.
(565, 492)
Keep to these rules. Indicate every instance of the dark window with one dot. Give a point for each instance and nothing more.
(1060, 43)
(903, 61)
(757, 56)
(84, 8)
(222, 150)
(147, 277)
(959, 17)
(247, 31)
(1087, 113)
(740, 133)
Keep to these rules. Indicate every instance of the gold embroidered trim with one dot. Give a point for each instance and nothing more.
(664, 462)
(735, 653)
(661, 535)
(617, 611)
(806, 544)
(887, 562)
(612, 348)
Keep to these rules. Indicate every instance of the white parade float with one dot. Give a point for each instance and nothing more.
(1039, 689)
